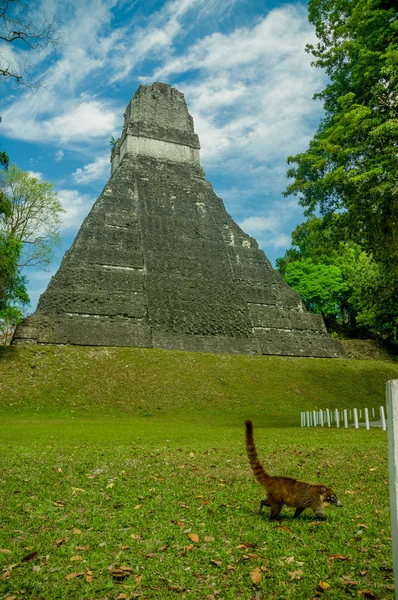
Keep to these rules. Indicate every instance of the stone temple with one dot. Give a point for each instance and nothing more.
(159, 263)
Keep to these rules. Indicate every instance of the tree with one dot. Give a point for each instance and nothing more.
(35, 216)
(20, 29)
(320, 286)
(13, 294)
(322, 241)
(351, 166)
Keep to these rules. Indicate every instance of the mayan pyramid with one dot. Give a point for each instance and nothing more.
(159, 263)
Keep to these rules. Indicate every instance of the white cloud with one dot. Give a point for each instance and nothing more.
(255, 225)
(59, 155)
(93, 171)
(77, 206)
(252, 89)
(78, 121)
(36, 175)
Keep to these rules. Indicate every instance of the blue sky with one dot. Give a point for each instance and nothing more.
(247, 81)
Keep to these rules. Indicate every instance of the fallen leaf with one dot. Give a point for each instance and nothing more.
(367, 594)
(339, 557)
(76, 531)
(138, 579)
(30, 556)
(60, 541)
(11, 598)
(284, 528)
(74, 575)
(121, 596)
(256, 575)
(89, 576)
(137, 506)
(246, 545)
(110, 486)
(346, 579)
(194, 537)
(254, 555)
(5, 551)
(373, 469)
(122, 572)
(216, 562)
(125, 547)
(323, 585)
(362, 525)
(74, 558)
(164, 547)
(150, 555)
(296, 574)
(84, 548)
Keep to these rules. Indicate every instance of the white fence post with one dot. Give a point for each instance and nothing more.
(328, 417)
(337, 417)
(356, 418)
(392, 422)
(382, 416)
(366, 418)
(345, 419)
(314, 415)
(321, 418)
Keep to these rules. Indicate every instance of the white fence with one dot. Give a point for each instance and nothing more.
(345, 418)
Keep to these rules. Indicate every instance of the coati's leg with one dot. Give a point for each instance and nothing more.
(298, 512)
(318, 511)
(321, 515)
(263, 503)
(275, 510)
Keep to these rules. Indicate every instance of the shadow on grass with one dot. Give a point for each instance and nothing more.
(8, 352)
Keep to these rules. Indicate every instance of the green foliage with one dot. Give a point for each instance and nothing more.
(35, 217)
(355, 294)
(319, 285)
(13, 295)
(351, 166)
(29, 230)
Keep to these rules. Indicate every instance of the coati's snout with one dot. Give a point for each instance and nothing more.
(330, 497)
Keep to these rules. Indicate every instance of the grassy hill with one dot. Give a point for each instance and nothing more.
(124, 475)
(79, 381)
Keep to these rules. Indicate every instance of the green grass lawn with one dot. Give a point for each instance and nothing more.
(124, 475)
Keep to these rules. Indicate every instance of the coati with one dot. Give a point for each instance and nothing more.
(284, 490)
